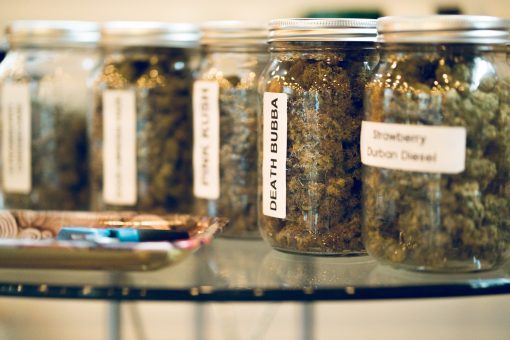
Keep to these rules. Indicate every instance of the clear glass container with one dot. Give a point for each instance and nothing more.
(436, 143)
(43, 82)
(234, 54)
(141, 121)
(309, 130)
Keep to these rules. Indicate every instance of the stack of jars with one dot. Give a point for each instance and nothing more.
(432, 129)
(137, 153)
(303, 131)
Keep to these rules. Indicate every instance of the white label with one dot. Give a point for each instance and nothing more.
(16, 138)
(206, 140)
(421, 148)
(119, 147)
(274, 148)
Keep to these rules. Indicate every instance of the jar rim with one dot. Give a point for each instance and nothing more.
(26, 33)
(233, 32)
(322, 29)
(148, 33)
(444, 28)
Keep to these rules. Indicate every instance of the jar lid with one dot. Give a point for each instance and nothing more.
(444, 28)
(49, 33)
(234, 33)
(330, 29)
(149, 33)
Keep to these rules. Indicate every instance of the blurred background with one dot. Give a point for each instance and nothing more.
(459, 318)
(200, 10)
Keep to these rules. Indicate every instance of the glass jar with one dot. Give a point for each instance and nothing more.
(43, 83)
(225, 103)
(436, 144)
(312, 89)
(141, 121)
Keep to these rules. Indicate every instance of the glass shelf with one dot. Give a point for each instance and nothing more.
(234, 270)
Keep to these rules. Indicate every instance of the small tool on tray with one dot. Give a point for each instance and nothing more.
(120, 234)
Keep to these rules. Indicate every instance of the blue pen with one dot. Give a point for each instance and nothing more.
(120, 234)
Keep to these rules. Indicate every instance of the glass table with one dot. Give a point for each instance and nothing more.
(237, 271)
(234, 270)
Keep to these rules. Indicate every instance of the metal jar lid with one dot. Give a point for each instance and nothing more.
(444, 29)
(149, 33)
(234, 33)
(49, 33)
(331, 29)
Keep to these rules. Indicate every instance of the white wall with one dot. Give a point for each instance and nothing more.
(475, 318)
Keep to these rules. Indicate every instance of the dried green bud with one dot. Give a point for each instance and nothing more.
(324, 111)
(442, 221)
(163, 126)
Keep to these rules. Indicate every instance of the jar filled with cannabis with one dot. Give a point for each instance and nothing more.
(43, 89)
(141, 121)
(225, 101)
(435, 144)
(309, 131)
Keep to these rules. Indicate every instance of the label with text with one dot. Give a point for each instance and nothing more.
(206, 140)
(16, 138)
(119, 147)
(274, 155)
(420, 148)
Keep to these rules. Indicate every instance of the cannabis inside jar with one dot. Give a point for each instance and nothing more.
(436, 144)
(309, 130)
(141, 123)
(43, 84)
(225, 103)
